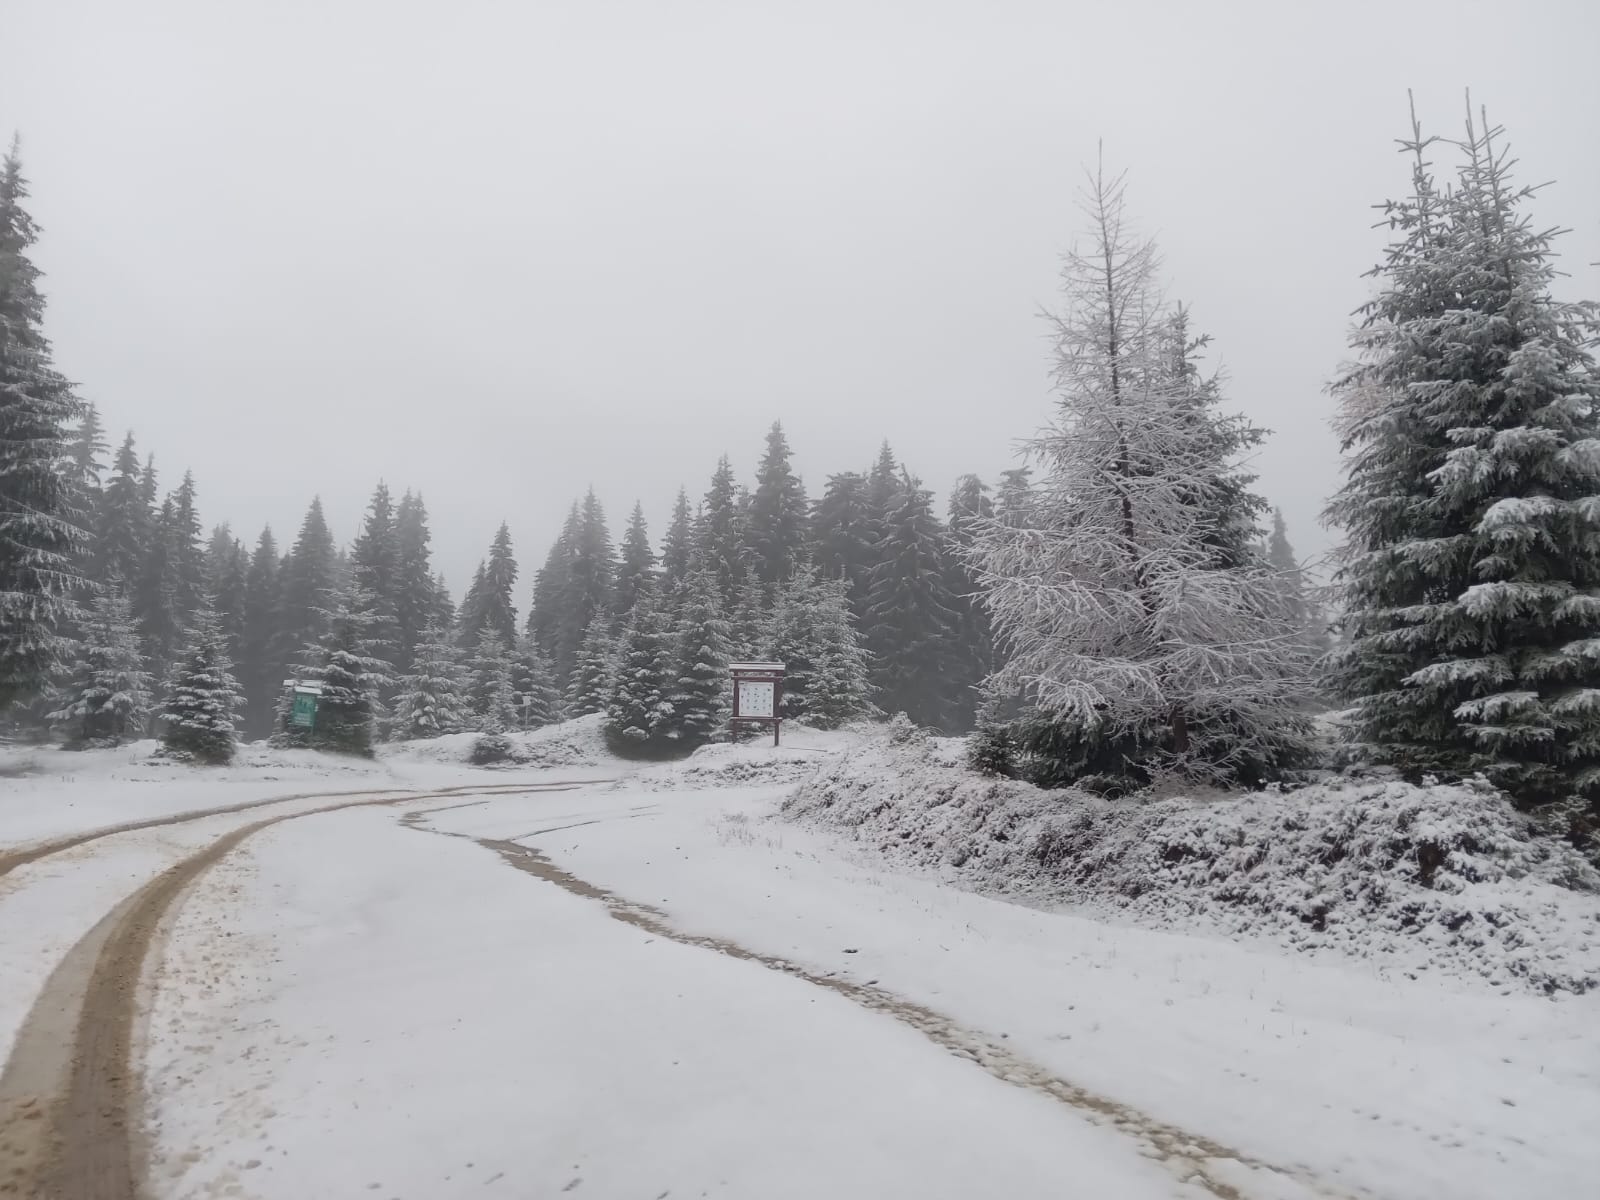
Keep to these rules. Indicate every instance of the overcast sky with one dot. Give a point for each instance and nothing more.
(499, 251)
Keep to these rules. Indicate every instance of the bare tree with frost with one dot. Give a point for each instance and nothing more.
(1126, 612)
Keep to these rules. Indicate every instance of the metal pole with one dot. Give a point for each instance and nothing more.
(776, 725)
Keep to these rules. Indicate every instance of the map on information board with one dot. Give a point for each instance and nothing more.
(755, 698)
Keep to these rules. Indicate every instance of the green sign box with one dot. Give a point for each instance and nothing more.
(304, 712)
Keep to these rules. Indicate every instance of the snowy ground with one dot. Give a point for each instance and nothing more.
(397, 1002)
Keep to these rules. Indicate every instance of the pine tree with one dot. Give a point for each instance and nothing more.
(202, 697)
(677, 548)
(1123, 624)
(40, 535)
(720, 535)
(703, 647)
(587, 589)
(263, 652)
(227, 573)
(492, 698)
(186, 552)
(88, 450)
(350, 675)
(636, 568)
(970, 508)
(912, 622)
(813, 635)
(639, 717)
(488, 606)
(533, 679)
(550, 588)
(431, 700)
(416, 597)
(845, 538)
(155, 597)
(591, 680)
(750, 625)
(1468, 420)
(122, 525)
(375, 570)
(310, 576)
(107, 697)
(779, 525)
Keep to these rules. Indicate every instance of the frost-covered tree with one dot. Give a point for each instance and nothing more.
(635, 567)
(310, 575)
(591, 679)
(1471, 424)
(1121, 622)
(778, 526)
(843, 532)
(639, 717)
(488, 604)
(750, 622)
(87, 450)
(156, 594)
(678, 546)
(186, 552)
(202, 696)
(41, 535)
(533, 679)
(375, 571)
(416, 599)
(813, 634)
(227, 571)
(970, 507)
(350, 673)
(912, 622)
(550, 587)
(703, 649)
(492, 697)
(263, 650)
(121, 523)
(431, 700)
(107, 696)
(720, 534)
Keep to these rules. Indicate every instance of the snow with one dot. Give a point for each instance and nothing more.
(1406, 1089)
(577, 743)
(361, 1004)
(354, 1008)
(1439, 879)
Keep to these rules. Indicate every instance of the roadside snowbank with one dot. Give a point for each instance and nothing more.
(1443, 878)
(575, 743)
(750, 764)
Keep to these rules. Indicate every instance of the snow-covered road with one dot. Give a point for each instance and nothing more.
(625, 991)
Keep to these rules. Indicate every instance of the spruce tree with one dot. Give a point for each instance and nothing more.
(719, 534)
(1473, 559)
(431, 700)
(813, 634)
(750, 624)
(202, 697)
(350, 674)
(586, 590)
(87, 451)
(703, 648)
(549, 590)
(263, 656)
(415, 595)
(533, 679)
(310, 576)
(1138, 643)
(778, 526)
(491, 696)
(970, 508)
(186, 552)
(677, 548)
(844, 535)
(107, 697)
(1014, 501)
(591, 679)
(155, 596)
(635, 568)
(121, 525)
(227, 572)
(639, 716)
(912, 622)
(488, 606)
(40, 535)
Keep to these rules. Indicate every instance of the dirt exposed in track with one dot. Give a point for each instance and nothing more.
(1191, 1157)
(69, 1120)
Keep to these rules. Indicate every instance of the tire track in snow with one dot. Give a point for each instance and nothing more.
(1192, 1157)
(69, 1122)
(11, 860)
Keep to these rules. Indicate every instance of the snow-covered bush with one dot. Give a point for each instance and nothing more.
(1443, 877)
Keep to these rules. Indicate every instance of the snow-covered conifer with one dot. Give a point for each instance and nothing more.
(639, 717)
(431, 700)
(107, 697)
(591, 678)
(202, 696)
(1121, 622)
(493, 699)
(635, 567)
(533, 679)
(703, 649)
(813, 634)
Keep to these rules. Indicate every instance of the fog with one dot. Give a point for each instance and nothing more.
(499, 252)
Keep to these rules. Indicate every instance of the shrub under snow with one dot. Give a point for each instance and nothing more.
(1443, 878)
